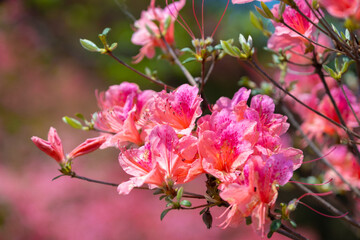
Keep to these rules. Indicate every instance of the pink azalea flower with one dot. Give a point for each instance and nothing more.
(285, 37)
(224, 144)
(165, 158)
(295, 20)
(241, 196)
(262, 110)
(238, 104)
(122, 129)
(315, 126)
(341, 9)
(52, 147)
(152, 39)
(122, 95)
(178, 109)
(122, 107)
(345, 163)
(254, 190)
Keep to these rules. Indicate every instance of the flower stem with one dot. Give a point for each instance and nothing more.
(158, 82)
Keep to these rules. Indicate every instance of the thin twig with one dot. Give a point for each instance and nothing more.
(202, 76)
(74, 175)
(158, 82)
(211, 68)
(284, 230)
(349, 103)
(187, 74)
(196, 207)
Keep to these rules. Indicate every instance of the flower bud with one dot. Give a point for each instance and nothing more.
(52, 147)
(86, 147)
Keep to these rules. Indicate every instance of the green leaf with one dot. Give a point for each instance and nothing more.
(163, 214)
(113, 46)
(179, 193)
(256, 21)
(162, 197)
(337, 68)
(347, 34)
(281, 9)
(343, 36)
(259, 10)
(188, 50)
(275, 225)
(228, 48)
(267, 10)
(79, 115)
(335, 29)
(190, 59)
(293, 223)
(106, 31)
(331, 72)
(89, 45)
(346, 65)
(185, 203)
(218, 47)
(315, 4)
(72, 122)
(167, 23)
(150, 30)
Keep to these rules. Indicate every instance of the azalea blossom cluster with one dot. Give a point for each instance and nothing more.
(174, 136)
(164, 141)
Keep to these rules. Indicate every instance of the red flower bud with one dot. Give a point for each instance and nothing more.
(52, 147)
(86, 147)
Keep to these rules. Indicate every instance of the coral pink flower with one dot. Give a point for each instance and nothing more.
(122, 106)
(86, 147)
(52, 147)
(315, 126)
(284, 36)
(341, 9)
(242, 197)
(345, 163)
(262, 110)
(224, 144)
(178, 109)
(122, 95)
(295, 20)
(165, 158)
(123, 129)
(238, 104)
(147, 31)
(254, 190)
